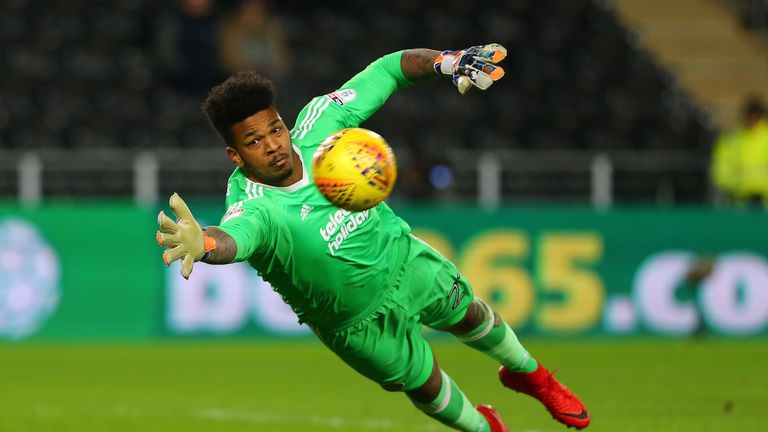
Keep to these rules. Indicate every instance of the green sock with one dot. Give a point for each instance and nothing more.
(453, 409)
(495, 338)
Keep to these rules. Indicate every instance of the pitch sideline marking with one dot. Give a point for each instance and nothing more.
(329, 422)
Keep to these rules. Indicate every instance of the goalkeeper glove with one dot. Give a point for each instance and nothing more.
(472, 66)
(184, 238)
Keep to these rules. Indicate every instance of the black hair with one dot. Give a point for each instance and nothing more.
(753, 107)
(240, 96)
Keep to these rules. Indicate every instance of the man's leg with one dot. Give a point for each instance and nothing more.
(482, 329)
(390, 350)
(441, 399)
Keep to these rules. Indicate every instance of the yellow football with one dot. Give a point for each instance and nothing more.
(355, 169)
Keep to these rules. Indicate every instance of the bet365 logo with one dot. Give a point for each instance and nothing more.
(29, 279)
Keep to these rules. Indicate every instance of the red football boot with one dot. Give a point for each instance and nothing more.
(564, 406)
(494, 419)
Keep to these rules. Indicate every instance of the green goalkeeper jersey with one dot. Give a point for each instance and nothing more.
(330, 265)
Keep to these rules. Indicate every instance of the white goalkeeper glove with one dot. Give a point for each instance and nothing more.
(474, 66)
(184, 238)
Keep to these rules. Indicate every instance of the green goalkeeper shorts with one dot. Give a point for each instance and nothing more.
(387, 346)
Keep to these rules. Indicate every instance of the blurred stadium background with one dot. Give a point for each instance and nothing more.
(576, 194)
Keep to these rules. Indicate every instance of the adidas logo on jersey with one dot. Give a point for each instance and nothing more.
(305, 209)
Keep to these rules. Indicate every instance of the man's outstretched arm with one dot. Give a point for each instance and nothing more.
(367, 91)
(418, 64)
(235, 240)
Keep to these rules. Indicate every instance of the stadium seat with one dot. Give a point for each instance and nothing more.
(576, 79)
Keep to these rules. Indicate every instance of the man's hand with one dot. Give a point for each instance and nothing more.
(473, 66)
(184, 238)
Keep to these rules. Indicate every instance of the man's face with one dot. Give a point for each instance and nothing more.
(262, 147)
(751, 119)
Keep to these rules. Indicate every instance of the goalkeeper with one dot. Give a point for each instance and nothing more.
(367, 297)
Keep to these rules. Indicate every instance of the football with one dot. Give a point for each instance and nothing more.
(355, 169)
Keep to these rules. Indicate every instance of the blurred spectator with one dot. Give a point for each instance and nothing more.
(700, 269)
(415, 178)
(754, 13)
(740, 158)
(186, 47)
(252, 39)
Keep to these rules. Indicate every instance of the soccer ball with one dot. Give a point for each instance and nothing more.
(355, 169)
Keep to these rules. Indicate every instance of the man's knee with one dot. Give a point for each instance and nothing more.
(393, 386)
(428, 391)
(477, 313)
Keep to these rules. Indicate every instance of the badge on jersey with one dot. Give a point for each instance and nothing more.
(340, 97)
(234, 211)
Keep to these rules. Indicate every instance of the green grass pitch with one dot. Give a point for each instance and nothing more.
(640, 385)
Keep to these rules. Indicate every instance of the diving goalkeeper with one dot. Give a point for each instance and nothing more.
(366, 297)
